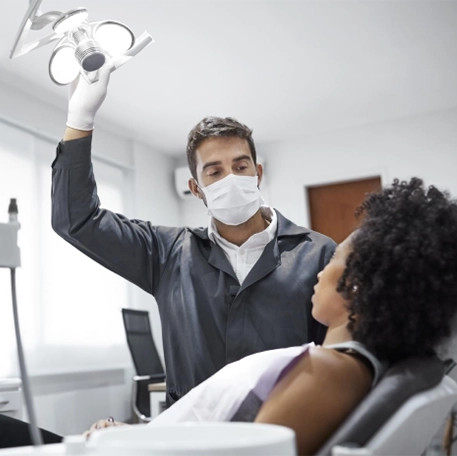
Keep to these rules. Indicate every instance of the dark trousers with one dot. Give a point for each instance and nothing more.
(15, 433)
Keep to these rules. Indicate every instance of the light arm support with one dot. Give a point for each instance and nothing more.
(33, 20)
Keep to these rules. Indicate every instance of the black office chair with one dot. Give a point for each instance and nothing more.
(148, 366)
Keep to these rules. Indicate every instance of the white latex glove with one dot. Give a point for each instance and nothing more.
(86, 98)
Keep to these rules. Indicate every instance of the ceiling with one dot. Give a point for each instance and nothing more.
(286, 68)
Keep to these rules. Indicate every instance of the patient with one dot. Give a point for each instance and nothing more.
(389, 292)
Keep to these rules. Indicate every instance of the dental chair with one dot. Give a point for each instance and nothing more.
(402, 413)
(400, 416)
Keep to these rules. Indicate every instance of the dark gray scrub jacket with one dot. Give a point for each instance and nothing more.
(208, 319)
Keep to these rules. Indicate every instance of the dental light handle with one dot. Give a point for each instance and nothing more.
(140, 43)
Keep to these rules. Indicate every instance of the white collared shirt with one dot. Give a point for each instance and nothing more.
(244, 257)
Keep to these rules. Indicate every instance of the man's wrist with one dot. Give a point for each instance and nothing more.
(72, 133)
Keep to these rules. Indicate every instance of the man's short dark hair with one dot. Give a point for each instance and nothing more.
(210, 127)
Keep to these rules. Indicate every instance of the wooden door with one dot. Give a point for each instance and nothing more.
(332, 206)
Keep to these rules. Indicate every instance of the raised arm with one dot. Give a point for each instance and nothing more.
(315, 396)
(134, 249)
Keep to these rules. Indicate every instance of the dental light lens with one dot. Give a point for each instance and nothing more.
(114, 37)
(70, 20)
(63, 66)
(85, 46)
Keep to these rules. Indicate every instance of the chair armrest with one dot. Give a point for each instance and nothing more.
(154, 378)
(449, 364)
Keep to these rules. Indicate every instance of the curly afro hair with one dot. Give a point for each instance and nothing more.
(401, 276)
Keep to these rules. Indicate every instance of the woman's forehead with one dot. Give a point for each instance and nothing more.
(345, 246)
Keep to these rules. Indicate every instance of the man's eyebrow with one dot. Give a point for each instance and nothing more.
(213, 163)
(242, 157)
(219, 162)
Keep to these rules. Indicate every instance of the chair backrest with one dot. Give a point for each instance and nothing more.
(141, 344)
(409, 390)
(412, 428)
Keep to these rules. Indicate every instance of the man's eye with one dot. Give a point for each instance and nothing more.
(213, 173)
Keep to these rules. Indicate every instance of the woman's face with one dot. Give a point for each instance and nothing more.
(329, 306)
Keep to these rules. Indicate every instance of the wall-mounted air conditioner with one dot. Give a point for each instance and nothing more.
(182, 176)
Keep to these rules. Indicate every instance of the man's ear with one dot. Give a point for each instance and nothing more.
(259, 173)
(194, 188)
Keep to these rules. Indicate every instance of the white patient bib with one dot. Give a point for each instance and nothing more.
(219, 397)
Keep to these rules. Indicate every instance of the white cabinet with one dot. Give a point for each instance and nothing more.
(11, 397)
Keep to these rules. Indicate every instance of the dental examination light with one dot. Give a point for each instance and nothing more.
(82, 46)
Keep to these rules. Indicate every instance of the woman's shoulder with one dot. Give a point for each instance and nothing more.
(336, 366)
(359, 351)
(324, 385)
(326, 370)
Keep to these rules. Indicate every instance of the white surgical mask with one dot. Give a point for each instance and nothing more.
(233, 199)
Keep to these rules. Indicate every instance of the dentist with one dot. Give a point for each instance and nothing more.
(241, 285)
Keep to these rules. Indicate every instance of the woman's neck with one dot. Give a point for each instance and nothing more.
(337, 334)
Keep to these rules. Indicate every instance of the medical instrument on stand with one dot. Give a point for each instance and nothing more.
(10, 258)
(82, 47)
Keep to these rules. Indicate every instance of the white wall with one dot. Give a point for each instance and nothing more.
(423, 146)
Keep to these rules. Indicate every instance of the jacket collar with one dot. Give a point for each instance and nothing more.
(269, 260)
(285, 228)
(288, 228)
